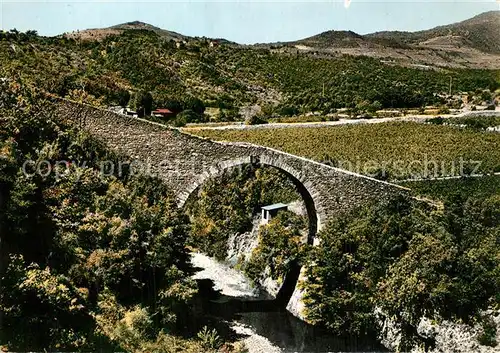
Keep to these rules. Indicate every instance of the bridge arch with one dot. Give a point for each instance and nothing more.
(179, 159)
(305, 188)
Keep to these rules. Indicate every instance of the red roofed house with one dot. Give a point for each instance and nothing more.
(163, 113)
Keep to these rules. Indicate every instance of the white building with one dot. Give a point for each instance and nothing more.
(271, 211)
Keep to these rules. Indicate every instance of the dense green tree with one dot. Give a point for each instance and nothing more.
(409, 262)
(353, 254)
(142, 103)
(173, 105)
(187, 117)
(74, 235)
(227, 205)
(282, 244)
(122, 97)
(194, 104)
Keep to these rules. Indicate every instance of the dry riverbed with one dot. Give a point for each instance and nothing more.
(233, 284)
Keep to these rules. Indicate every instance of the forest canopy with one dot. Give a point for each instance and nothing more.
(87, 261)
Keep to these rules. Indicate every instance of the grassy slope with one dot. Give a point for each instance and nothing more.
(388, 142)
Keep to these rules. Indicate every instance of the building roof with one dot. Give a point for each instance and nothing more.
(162, 111)
(276, 206)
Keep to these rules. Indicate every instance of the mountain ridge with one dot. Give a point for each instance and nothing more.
(473, 43)
(478, 32)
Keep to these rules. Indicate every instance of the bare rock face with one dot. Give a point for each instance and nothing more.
(458, 338)
(270, 285)
(448, 336)
(298, 207)
(249, 111)
(295, 305)
(240, 246)
(390, 332)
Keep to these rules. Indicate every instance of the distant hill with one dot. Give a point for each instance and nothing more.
(481, 32)
(101, 33)
(473, 43)
(345, 39)
(144, 26)
(235, 81)
(333, 39)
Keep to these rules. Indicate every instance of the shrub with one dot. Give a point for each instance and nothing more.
(255, 120)
(280, 246)
(443, 110)
(188, 117)
(436, 121)
(194, 104)
(210, 339)
(226, 115)
(289, 111)
(489, 332)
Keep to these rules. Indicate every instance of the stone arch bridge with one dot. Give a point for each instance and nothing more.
(185, 162)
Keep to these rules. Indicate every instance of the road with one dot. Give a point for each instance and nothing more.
(417, 118)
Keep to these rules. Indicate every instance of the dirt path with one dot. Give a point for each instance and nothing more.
(417, 118)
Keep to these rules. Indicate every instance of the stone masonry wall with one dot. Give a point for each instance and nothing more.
(185, 161)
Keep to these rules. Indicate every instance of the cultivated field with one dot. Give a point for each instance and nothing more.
(395, 151)
(464, 187)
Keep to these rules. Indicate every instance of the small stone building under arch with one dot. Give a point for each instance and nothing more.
(271, 211)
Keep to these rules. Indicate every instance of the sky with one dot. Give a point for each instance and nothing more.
(246, 22)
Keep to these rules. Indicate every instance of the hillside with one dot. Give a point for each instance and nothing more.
(236, 81)
(480, 32)
(101, 33)
(473, 43)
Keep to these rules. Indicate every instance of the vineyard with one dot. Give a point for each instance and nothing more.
(463, 187)
(393, 151)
